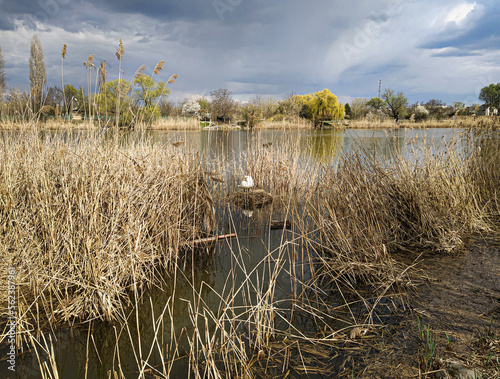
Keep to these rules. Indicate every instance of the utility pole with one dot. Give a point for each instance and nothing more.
(379, 87)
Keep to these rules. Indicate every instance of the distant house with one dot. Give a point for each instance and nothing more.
(486, 110)
(491, 111)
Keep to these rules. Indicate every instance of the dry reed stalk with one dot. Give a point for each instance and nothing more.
(82, 222)
(348, 220)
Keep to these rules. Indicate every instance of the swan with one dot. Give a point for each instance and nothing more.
(247, 183)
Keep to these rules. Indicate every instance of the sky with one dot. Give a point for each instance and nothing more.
(446, 49)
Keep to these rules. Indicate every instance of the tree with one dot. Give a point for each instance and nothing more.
(348, 112)
(54, 100)
(166, 107)
(264, 107)
(290, 107)
(437, 109)
(18, 104)
(396, 104)
(491, 95)
(222, 105)
(37, 74)
(191, 108)
(376, 103)
(114, 102)
(421, 113)
(204, 109)
(70, 98)
(359, 108)
(321, 106)
(149, 90)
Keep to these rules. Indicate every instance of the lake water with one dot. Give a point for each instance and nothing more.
(201, 285)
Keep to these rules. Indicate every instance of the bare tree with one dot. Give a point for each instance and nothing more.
(222, 105)
(265, 107)
(38, 75)
(290, 107)
(359, 108)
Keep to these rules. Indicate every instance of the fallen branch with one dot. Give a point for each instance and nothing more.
(211, 239)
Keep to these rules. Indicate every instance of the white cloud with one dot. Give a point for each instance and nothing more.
(459, 13)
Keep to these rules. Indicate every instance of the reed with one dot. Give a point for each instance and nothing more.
(462, 122)
(360, 211)
(298, 123)
(176, 123)
(86, 221)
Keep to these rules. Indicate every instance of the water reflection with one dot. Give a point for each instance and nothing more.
(318, 145)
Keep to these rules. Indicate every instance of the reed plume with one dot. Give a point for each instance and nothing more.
(172, 78)
(140, 71)
(90, 61)
(159, 67)
(120, 51)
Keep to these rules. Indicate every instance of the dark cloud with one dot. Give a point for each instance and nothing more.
(258, 46)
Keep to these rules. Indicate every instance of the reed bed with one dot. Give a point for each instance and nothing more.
(484, 165)
(299, 123)
(84, 221)
(88, 223)
(52, 124)
(175, 123)
(361, 210)
(462, 122)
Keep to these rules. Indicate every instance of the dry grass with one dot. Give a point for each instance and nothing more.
(86, 221)
(484, 166)
(359, 211)
(461, 122)
(299, 123)
(176, 123)
(251, 199)
(51, 124)
(171, 123)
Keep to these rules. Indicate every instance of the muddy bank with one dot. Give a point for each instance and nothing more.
(453, 318)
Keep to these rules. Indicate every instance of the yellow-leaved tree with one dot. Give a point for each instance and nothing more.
(320, 107)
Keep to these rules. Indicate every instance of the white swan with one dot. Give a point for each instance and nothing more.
(247, 183)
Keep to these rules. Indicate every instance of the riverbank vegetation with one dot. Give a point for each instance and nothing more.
(99, 224)
(141, 102)
(93, 222)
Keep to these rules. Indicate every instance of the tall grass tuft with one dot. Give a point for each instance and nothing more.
(84, 222)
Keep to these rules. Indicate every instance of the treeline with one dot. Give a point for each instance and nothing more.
(319, 108)
(395, 106)
(144, 99)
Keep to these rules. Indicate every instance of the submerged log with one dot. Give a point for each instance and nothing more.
(281, 224)
(211, 239)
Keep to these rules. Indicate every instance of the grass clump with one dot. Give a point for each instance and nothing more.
(85, 221)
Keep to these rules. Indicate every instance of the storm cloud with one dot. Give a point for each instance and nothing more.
(427, 49)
